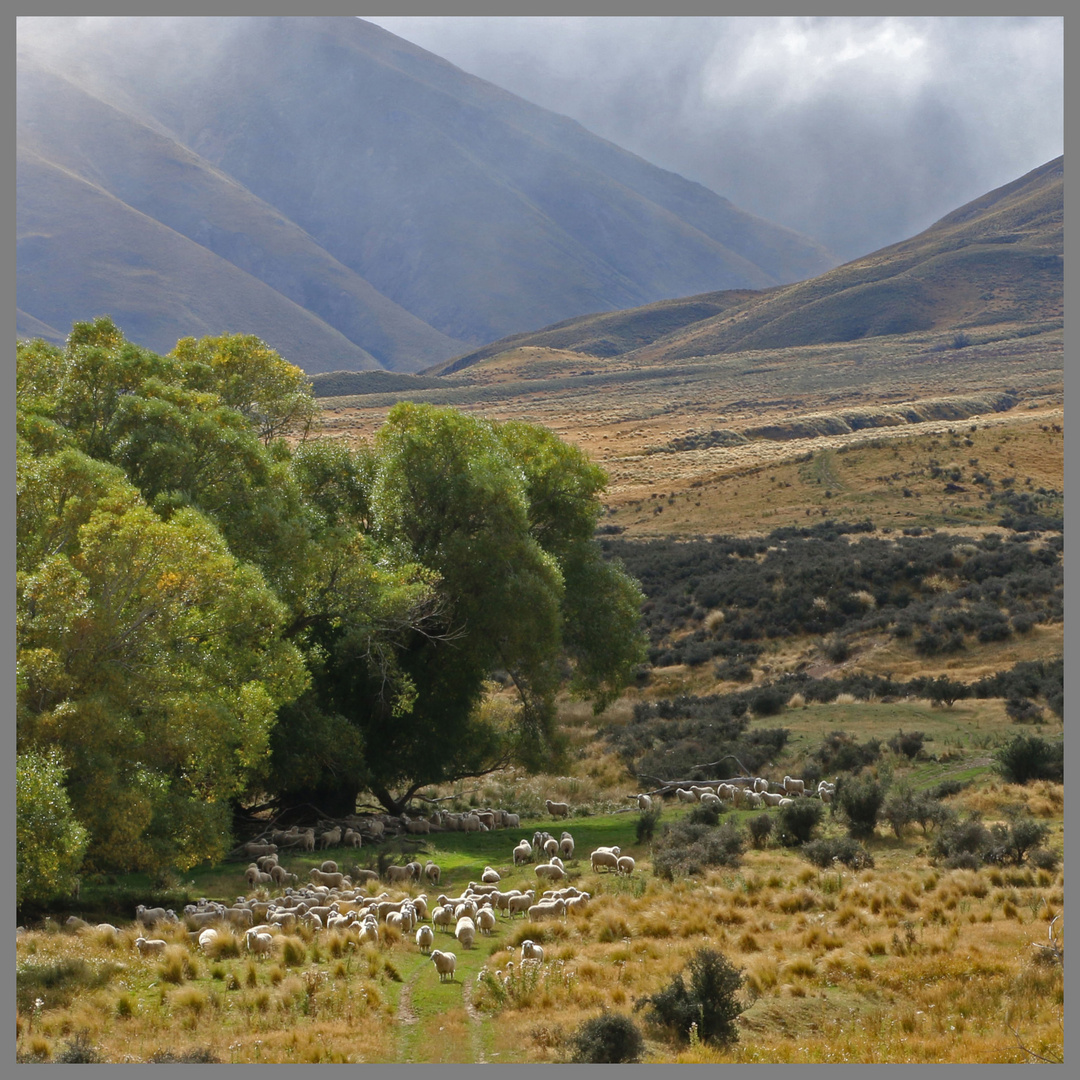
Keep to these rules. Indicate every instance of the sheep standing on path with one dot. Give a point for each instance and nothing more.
(445, 964)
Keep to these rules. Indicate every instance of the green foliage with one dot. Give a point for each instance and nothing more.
(687, 848)
(796, 823)
(609, 1037)
(710, 1001)
(760, 828)
(49, 841)
(1014, 839)
(645, 826)
(962, 842)
(905, 806)
(840, 849)
(1029, 757)
(859, 800)
(78, 1050)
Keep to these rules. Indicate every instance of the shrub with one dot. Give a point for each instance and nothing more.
(79, 1051)
(689, 847)
(768, 701)
(859, 800)
(1044, 859)
(1013, 841)
(760, 828)
(841, 849)
(608, 1038)
(1030, 757)
(839, 752)
(1023, 711)
(962, 842)
(200, 1055)
(798, 821)
(909, 744)
(710, 1001)
(645, 827)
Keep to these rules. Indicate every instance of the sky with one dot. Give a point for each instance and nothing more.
(857, 131)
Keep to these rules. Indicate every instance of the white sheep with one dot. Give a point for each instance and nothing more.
(551, 871)
(551, 846)
(644, 803)
(547, 909)
(709, 798)
(150, 946)
(531, 951)
(398, 875)
(785, 801)
(624, 865)
(522, 853)
(442, 916)
(490, 876)
(333, 880)
(369, 931)
(330, 838)
(328, 866)
(602, 857)
(566, 845)
(684, 795)
(206, 936)
(771, 798)
(432, 872)
(485, 920)
(471, 823)
(520, 902)
(465, 931)
(352, 839)
(557, 809)
(511, 821)
(445, 964)
(793, 786)
(258, 943)
(425, 938)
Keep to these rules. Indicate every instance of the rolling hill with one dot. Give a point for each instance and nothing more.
(996, 260)
(353, 199)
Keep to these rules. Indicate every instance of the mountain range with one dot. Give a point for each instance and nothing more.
(996, 261)
(352, 199)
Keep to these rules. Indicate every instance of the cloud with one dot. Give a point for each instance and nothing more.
(858, 131)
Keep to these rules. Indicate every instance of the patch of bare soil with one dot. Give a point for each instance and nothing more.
(475, 1022)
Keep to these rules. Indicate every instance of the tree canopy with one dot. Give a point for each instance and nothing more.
(218, 608)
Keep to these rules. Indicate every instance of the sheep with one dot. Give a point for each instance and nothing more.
(107, 930)
(485, 920)
(330, 838)
(557, 809)
(566, 845)
(531, 951)
(465, 931)
(394, 919)
(624, 865)
(785, 801)
(73, 922)
(352, 839)
(551, 846)
(152, 916)
(420, 904)
(753, 800)
(793, 786)
(361, 876)
(369, 932)
(425, 938)
(521, 902)
(644, 803)
(490, 876)
(486, 818)
(432, 872)
(522, 853)
(260, 944)
(150, 946)
(466, 909)
(445, 964)
(206, 936)
(415, 870)
(471, 823)
(760, 784)
(254, 847)
(709, 798)
(333, 880)
(683, 795)
(511, 821)
(328, 866)
(547, 909)
(556, 861)
(771, 798)
(265, 862)
(416, 825)
(602, 857)
(280, 875)
(577, 903)
(442, 916)
(552, 871)
(726, 792)
(398, 875)
(826, 796)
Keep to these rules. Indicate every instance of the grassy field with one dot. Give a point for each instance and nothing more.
(904, 961)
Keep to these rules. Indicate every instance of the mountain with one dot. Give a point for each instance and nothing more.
(353, 199)
(996, 260)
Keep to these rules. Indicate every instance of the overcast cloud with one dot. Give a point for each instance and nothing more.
(857, 131)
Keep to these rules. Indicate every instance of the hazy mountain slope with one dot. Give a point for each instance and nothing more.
(162, 179)
(81, 252)
(997, 259)
(361, 176)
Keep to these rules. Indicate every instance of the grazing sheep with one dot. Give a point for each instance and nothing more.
(577, 903)
(471, 823)
(624, 865)
(486, 818)
(826, 796)
(551, 871)
(445, 964)
(551, 846)
(709, 798)
(255, 847)
(485, 920)
(683, 795)
(416, 825)
(432, 873)
(465, 931)
(352, 838)
(785, 801)
(602, 857)
(644, 803)
(328, 866)
(73, 922)
(793, 786)
(490, 876)
(753, 800)
(566, 845)
(511, 821)
(361, 876)
(771, 798)
(442, 916)
(557, 809)
(369, 932)
(531, 951)
(150, 946)
(152, 916)
(333, 880)
(522, 853)
(280, 876)
(520, 902)
(547, 909)
(206, 936)
(425, 938)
